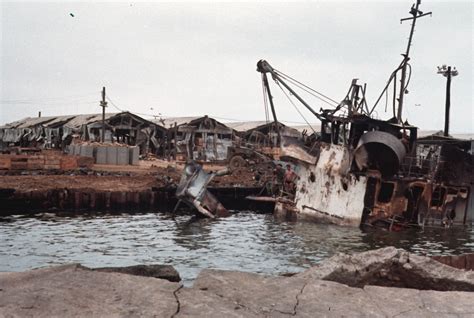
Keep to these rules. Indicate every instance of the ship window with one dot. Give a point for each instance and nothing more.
(438, 196)
(386, 192)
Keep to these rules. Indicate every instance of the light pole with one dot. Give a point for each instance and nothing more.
(447, 72)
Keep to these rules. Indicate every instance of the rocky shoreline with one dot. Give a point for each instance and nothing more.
(387, 282)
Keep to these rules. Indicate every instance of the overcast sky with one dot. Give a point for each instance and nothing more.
(188, 58)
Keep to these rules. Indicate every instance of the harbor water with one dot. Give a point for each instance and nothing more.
(245, 241)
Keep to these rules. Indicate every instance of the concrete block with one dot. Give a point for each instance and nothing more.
(5, 163)
(122, 155)
(87, 151)
(51, 161)
(19, 162)
(85, 162)
(36, 163)
(52, 167)
(68, 163)
(77, 150)
(111, 155)
(101, 155)
(134, 153)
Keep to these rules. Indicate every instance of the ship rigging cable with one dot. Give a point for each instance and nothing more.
(308, 89)
(292, 103)
(390, 79)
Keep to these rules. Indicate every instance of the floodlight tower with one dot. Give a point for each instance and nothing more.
(447, 72)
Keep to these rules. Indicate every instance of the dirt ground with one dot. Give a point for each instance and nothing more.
(148, 174)
(105, 183)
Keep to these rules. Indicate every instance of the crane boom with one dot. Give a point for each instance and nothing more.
(264, 67)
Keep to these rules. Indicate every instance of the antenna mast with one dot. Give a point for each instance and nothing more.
(416, 14)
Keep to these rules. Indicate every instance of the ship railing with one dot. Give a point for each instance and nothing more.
(419, 167)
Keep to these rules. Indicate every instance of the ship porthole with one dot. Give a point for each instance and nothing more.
(344, 185)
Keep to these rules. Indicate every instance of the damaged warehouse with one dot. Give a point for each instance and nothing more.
(56, 132)
(199, 138)
(45, 132)
(265, 137)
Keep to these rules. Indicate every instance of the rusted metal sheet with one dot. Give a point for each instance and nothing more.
(293, 151)
(203, 139)
(327, 192)
(192, 189)
(380, 149)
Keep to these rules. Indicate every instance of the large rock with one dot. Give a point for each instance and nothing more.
(219, 293)
(204, 304)
(257, 293)
(167, 272)
(391, 267)
(75, 291)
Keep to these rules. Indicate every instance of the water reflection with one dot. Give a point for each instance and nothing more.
(194, 233)
(244, 241)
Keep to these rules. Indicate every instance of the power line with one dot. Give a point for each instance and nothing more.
(113, 104)
(210, 115)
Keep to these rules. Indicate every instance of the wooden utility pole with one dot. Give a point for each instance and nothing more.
(176, 141)
(448, 103)
(103, 104)
(448, 73)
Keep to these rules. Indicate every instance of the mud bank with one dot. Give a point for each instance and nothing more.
(73, 290)
(107, 191)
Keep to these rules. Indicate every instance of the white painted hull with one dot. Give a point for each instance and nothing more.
(327, 192)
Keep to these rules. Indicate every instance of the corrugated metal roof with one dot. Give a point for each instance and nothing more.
(300, 128)
(245, 125)
(80, 120)
(72, 121)
(30, 122)
(169, 122)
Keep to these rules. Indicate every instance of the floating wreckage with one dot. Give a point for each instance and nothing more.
(372, 172)
(192, 190)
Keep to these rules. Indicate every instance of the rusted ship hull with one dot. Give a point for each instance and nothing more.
(328, 191)
(361, 170)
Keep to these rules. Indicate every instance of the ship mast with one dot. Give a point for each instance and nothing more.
(406, 57)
